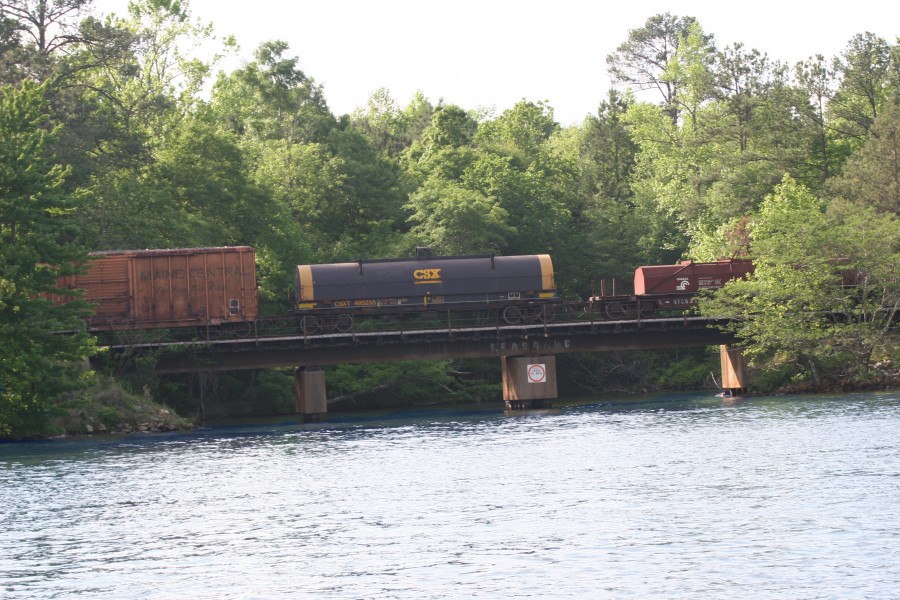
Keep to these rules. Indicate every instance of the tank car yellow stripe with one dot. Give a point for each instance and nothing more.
(547, 279)
(304, 273)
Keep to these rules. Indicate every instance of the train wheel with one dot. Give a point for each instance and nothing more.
(242, 330)
(512, 315)
(532, 313)
(616, 310)
(648, 309)
(343, 323)
(309, 325)
(548, 313)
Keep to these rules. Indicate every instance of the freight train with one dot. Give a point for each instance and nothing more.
(215, 289)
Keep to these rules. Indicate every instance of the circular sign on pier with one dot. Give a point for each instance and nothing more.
(537, 373)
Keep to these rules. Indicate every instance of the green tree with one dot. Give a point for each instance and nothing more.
(37, 247)
(11, 50)
(135, 85)
(665, 178)
(136, 97)
(43, 29)
(520, 132)
(195, 192)
(390, 129)
(451, 127)
(452, 219)
(796, 307)
(736, 139)
(49, 25)
(642, 61)
(864, 70)
(516, 165)
(327, 179)
(756, 136)
(271, 98)
(522, 189)
(373, 215)
(817, 79)
(202, 172)
(59, 43)
(600, 238)
(743, 78)
(607, 151)
(678, 147)
(871, 177)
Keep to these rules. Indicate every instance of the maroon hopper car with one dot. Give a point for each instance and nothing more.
(674, 284)
(141, 289)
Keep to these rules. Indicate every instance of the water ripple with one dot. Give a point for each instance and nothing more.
(768, 498)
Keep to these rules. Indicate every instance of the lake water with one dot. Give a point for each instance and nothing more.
(686, 497)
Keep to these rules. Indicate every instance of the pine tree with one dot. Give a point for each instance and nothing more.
(43, 344)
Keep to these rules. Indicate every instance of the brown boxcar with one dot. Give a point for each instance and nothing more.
(688, 277)
(142, 289)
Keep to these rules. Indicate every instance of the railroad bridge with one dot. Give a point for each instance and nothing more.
(527, 352)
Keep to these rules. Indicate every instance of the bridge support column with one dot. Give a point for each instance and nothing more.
(529, 382)
(309, 389)
(734, 370)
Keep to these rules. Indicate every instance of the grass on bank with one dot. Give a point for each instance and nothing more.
(107, 407)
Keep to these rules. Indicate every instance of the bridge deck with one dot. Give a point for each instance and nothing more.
(431, 344)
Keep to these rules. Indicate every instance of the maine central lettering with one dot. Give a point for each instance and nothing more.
(195, 273)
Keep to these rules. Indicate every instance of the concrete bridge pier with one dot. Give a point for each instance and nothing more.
(529, 382)
(734, 370)
(309, 390)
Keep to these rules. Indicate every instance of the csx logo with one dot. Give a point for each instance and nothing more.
(427, 275)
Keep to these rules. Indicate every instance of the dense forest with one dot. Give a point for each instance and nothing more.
(114, 135)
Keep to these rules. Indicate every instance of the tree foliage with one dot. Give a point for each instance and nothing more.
(37, 247)
(871, 177)
(824, 292)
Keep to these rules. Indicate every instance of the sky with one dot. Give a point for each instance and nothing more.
(490, 54)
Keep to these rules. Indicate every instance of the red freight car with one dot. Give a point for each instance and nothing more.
(671, 286)
(142, 289)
